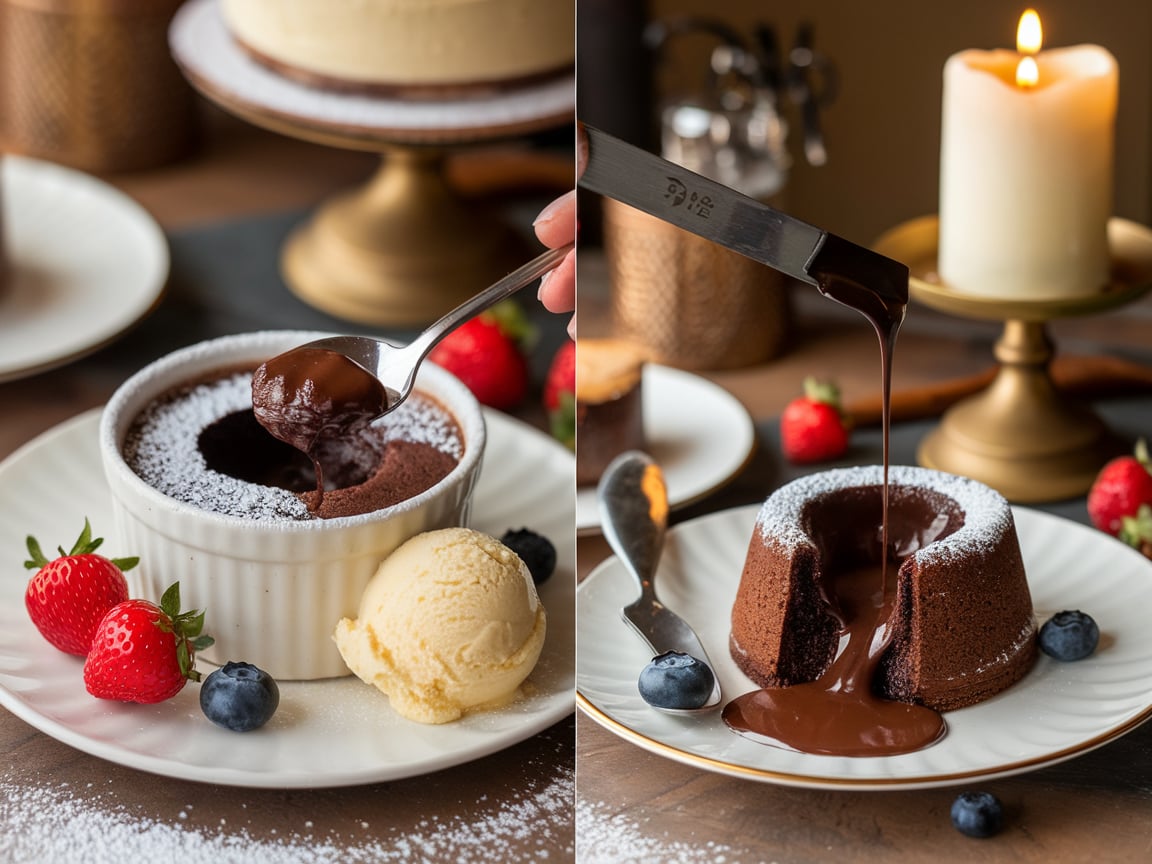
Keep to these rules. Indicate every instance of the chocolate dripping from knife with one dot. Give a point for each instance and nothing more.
(844, 271)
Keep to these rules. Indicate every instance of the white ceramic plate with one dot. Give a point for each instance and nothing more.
(699, 433)
(86, 262)
(326, 733)
(1058, 711)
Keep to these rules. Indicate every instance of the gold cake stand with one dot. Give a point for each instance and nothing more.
(404, 248)
(1020, 435)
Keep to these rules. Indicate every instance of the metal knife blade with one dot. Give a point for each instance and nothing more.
(718, 213)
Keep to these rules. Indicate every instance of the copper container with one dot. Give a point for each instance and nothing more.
(92, 84)
(3, 235)
(691, 303)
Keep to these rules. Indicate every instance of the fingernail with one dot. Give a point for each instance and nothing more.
(543, 281)
(548, 212)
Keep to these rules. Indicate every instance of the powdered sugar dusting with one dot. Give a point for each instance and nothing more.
(987, 515)
(162, 447)
(66, 825)
(605, 837)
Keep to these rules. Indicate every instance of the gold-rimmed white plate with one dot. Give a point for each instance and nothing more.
(335, 732)
(1059, 710)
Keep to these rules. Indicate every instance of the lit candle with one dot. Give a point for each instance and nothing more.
(1026, 169)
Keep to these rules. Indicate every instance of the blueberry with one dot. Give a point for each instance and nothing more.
(977, 814)
(535, 550)
(675, 680)
(1069, 635)
(239, 696)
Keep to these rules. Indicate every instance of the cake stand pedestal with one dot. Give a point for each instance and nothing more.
(405, 248)
(1020, 435)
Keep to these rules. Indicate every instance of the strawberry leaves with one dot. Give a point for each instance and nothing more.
(86, 544)
(188, 627)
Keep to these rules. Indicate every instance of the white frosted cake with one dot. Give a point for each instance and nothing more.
(420, 46)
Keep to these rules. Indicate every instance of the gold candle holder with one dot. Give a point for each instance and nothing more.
(1020, 435)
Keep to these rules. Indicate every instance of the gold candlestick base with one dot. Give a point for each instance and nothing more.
(1020, 435)
(404, 249)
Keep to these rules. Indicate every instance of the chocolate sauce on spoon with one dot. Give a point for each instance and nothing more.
(308, 395)
(838, 714)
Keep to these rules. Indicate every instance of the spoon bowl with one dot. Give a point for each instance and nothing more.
(634, 512)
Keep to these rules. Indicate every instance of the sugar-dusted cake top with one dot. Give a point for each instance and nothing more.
(986, 514)
(164, 447)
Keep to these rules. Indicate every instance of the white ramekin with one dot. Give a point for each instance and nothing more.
(273, 590)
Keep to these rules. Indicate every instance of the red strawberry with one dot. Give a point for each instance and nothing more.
(143, 652)
(560, 394)
(67, 597)
(813, 428)
(484, 354)
(1119, 489)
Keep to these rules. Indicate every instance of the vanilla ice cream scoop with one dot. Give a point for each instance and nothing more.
(450, 622)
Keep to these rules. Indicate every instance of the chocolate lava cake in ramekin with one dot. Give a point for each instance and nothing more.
(206, 497)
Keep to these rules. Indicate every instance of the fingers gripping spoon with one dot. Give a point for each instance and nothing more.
(634, 513)
(396, 366)
(332, 387)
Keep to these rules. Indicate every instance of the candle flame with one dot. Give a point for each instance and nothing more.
(1029, 38)
(1027, 72)
(1029, 34)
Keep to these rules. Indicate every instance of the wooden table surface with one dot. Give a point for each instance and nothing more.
(60, 805)
(634, 805)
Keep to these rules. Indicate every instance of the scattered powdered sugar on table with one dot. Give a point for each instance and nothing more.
(66, 825)
(604, 837)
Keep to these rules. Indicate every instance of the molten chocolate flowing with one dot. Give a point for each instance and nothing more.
(838, 714)
(309, 395)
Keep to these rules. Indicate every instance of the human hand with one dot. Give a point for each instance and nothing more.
(556, 226)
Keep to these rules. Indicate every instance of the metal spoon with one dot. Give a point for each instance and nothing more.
(634, 514)
(395, 366)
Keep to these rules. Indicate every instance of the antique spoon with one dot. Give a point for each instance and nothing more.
(395, 366)
(634, 512)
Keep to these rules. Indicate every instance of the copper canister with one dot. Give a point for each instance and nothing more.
(92, 84)
(691, 303)
(3, 235)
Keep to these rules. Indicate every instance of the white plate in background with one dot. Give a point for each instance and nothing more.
(85, 263)
(696, 430)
